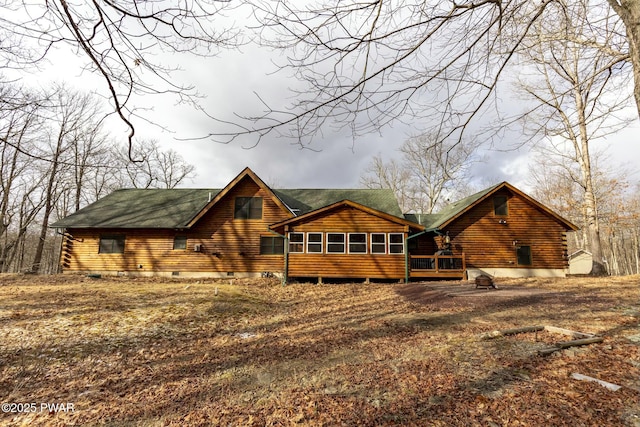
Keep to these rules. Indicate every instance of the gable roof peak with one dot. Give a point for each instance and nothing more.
(456, 209)
(246, 172)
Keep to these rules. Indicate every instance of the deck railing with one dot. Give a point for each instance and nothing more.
(438, 264)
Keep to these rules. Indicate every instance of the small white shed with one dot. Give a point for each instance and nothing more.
(580, 262)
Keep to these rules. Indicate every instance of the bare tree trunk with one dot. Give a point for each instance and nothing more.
(573, 78)
(629, 13)
(49, 200)
(590, 202)
(636, 250)
(615, 266)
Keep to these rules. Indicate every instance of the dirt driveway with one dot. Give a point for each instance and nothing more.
(464, 293)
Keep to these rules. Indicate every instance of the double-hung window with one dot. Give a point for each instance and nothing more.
(296, 243)
(396, 243)
(357, 243)
(314, 243)
(378, 243)
(335, 243)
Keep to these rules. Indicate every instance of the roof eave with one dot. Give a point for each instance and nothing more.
(568, 224)
(245, 172)
(350, 203)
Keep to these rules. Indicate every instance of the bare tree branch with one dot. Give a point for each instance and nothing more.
(119, 41)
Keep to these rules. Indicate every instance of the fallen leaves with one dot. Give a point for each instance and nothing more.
(163, 352)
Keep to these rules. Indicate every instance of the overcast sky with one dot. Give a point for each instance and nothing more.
(335, 160)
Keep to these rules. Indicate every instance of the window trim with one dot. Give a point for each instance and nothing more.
(246, 209)
(296, 243)
(180, 238)
(500, 206)
(365, 243)
(114, 238)
(401, 244)
(378, 244)
(530, 254)
(273, 245)
(309, 242)
(343, 243)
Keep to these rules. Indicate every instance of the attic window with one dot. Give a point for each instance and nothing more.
(248, 208)
(113, 244)
(500, 207)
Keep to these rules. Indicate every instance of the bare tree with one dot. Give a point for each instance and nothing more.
(429, 172)
(102, 174)
(392, 175)
(126, 43)
(20, 126)
(366, 64)
(556, 183)
(369, 64)
(576, 82)
(156, 168)
(553, 183)
(86, 154)
(629, 13)
(439, 168)
(72, 117)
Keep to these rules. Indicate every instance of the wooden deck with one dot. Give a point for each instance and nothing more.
(437, 266)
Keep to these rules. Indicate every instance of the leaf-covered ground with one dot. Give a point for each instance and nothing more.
(162, 352)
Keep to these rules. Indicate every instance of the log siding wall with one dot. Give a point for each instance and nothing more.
(347, 220)
(489, 244)
(227, 244)
(233, 245)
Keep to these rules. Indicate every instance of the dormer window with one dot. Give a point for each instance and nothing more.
(500, 207)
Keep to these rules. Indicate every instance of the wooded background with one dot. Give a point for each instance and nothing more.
(57, 157)
(444, 67)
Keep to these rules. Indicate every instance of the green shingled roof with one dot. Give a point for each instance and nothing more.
(175, 208)
(137, 208)
(450, 211)
(302, 201)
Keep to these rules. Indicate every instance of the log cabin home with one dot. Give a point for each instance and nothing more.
(248, 229)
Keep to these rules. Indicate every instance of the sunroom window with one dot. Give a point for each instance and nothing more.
(314, 243)
(378, 243)
(357, 243)
(396, 243)
(296, 242)
(335, 243)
